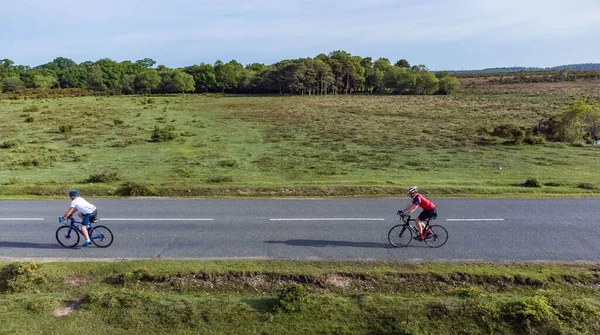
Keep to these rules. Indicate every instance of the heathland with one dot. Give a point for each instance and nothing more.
(461, 144)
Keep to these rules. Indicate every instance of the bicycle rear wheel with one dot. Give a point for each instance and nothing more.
(67, 237)
(438, 236)
(101, 236)
(400, 235)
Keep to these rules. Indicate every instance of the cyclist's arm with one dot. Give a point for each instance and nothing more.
(410, 209)
(70, 212)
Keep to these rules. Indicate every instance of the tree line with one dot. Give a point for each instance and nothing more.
(338, 72)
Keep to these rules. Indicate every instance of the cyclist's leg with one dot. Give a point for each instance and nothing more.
(419, 225)
(94, 216)
(85, 223)
(425, 218)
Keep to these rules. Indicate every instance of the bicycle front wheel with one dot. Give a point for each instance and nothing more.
(438, 236)
(400, 235)
(101, 236)
(67, 237)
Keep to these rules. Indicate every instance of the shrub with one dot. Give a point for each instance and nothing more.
(133, 277)
(65, 128)
(220, 179)
(163, 134)
(12, 143)
(468, 293)
(118, 122)
(586, 186)
(532, 311)
(18, 277)
(291, 298)
(532, 139)
(553, 184)
(133, 189)
(448, 84)
(29, 119)
(31, 109)
(508, 131)
(104, 177)
(228, 163)
(549, 128)
(532, 182)
(10, 84)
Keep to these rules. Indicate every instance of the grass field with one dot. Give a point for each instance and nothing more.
(213, 145)
(271, 297)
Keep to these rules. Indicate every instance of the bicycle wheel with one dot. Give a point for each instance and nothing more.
(101, 236)
(438, 237)
(67, 237)
(400, 235)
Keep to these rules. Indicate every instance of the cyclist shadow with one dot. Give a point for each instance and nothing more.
(28, 245)
(331, 243)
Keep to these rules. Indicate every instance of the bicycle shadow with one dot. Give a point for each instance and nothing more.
(27, 245)
(331, 243)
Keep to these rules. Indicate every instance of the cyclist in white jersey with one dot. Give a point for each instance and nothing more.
(87, 213)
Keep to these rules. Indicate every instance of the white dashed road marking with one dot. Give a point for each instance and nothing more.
(21, 219)
(474, 219)
(329, 219)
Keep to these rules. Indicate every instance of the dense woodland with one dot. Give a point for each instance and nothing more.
(339, 72)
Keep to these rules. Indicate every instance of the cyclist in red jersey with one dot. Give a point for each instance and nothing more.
(418, 200)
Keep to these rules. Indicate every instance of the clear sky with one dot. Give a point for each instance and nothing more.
(441, 34)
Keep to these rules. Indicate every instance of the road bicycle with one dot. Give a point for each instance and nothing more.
(69, 234)
(401, 235)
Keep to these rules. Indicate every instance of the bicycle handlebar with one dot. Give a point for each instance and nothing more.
(403, 216)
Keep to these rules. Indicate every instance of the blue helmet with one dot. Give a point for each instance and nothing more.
(73, 193)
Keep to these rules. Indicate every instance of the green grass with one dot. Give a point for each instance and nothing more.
(275, 297)
(213, 145)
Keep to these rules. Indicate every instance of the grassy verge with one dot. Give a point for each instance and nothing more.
(275, 297)
(214, 145)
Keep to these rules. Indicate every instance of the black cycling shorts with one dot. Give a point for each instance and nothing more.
(426, 215)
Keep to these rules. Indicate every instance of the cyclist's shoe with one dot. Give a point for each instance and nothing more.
(419, 237)
(427, 233)
(86, 244)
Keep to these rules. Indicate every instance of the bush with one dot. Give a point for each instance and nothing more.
(133, 189)
(29, 119)
(220, 179)
(586, 186)
(532, 139)
(65, 128)
(525, 313)
(11, 84)
(18, 277)
(118, 122)
(133, 277)
(508, 131)
(12, 143)
(532, 182)
(31, 109)
(228, 163)
(553, 184)
(549, 128)
(163, 134)
(448, 84)
(291, 298)
(104, 177)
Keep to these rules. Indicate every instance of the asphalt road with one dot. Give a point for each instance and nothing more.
(497, 230)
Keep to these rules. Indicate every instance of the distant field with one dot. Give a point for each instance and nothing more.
(214, 145)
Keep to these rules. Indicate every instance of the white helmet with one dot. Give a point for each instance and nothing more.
(412, 190)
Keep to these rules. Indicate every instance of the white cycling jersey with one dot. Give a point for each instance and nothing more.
(82, 206)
